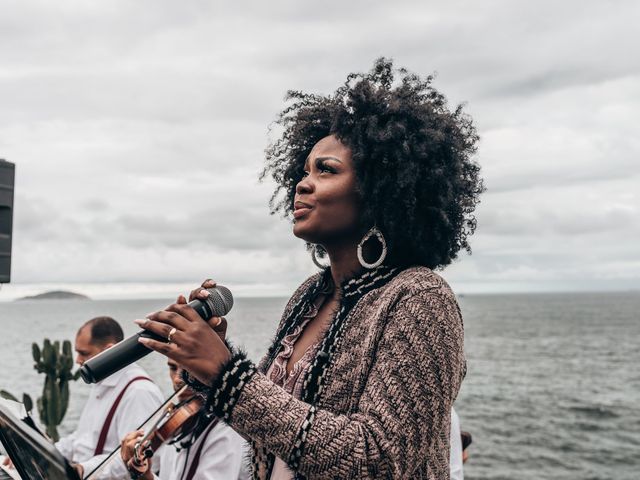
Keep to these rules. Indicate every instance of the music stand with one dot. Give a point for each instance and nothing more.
(33, 456)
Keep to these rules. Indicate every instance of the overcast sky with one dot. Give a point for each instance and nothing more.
(138, 131)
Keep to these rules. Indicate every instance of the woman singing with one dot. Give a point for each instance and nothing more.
(368, 356)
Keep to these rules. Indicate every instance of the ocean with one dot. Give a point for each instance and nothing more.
(552, 388)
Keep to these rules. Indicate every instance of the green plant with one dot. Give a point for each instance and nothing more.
(56, 364)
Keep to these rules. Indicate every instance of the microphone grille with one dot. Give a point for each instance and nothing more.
(220, 300)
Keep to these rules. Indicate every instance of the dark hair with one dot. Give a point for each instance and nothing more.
(466, 439)
(412, 157)
(104, 330)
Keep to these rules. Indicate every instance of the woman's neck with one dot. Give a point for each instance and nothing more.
(344, 263)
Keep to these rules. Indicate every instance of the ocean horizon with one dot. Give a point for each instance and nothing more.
(164, 291)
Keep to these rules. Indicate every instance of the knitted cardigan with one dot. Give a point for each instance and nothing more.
(377, 400)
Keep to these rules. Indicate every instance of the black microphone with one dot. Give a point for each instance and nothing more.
(123, 353)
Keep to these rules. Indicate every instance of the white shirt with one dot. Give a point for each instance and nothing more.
(455, 449)
(221, 457)
(141, 398)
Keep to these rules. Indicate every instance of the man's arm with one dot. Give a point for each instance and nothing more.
(66, 445)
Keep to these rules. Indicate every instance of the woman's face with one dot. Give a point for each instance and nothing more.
(326, 204)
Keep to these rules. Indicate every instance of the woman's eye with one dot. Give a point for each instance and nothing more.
(325, 168)
(305, 173)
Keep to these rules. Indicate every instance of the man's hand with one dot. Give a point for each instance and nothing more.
(127, 451)
(128, 445)
(79, 469)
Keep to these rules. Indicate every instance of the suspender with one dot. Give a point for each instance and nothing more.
(107, 422)
(196, 460)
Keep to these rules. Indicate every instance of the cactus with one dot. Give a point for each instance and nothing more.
(56, 365)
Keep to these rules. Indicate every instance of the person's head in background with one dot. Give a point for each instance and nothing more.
(466, 441)
(175, 373)
(96, 335)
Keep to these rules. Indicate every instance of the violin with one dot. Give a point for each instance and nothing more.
(171, 420)
(168, 426)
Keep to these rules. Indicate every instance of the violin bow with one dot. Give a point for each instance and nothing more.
(94, 473)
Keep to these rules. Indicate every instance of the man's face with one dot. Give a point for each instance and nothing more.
(175, 373)
(85, 349)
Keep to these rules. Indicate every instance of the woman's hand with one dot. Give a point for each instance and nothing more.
(194, 345)
(219, 324)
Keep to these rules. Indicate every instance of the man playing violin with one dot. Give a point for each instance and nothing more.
(202, 448)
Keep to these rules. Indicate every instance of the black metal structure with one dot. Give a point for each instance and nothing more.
(7, 181)
(34, 457)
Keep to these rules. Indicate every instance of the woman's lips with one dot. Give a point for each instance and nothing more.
(301, 211)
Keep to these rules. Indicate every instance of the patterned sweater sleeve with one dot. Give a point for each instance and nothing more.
(402, 415)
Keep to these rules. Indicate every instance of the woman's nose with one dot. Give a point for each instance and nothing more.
(305, 185)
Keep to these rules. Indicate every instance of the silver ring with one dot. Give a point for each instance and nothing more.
(171, 332)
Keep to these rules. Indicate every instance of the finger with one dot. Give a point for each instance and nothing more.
(209, 283)
(198, 294)
(181, 300)
(214, 322)
(132, 436)
(161, 329)
(173, 316)
(185, 311)
(218, 324)
(203, 294)
(194, 293)
(170, 350)
(221, 327)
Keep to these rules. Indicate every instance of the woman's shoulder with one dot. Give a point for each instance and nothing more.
(419, 292)
(419, 280)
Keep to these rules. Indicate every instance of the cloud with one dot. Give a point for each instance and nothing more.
(138, 130)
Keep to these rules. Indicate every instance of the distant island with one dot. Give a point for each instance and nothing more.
(56, 295)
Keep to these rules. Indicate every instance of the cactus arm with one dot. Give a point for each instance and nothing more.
(27, 402)
(35, 351)
(7, 395)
